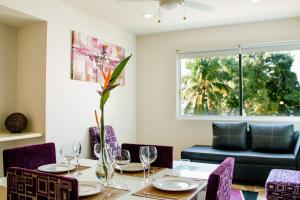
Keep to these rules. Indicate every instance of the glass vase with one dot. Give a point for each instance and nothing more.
(105, 168)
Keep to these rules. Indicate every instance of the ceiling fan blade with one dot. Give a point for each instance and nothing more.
(199, 6)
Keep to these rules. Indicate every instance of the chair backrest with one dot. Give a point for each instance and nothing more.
(28, 184)
(29, 157)
(110, 137)
(164, 154)
(220, 181)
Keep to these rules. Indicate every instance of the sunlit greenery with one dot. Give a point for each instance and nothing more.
(210, 85)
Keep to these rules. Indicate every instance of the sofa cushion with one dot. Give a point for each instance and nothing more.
(229, 135)
(209, 154)
(272, 138)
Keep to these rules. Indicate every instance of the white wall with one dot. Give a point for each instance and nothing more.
(8, 72)
(70, 104)
(156, 77)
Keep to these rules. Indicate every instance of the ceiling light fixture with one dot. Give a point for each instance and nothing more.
(180, 4)
(172, 4)
(147, 16)
(255, 1)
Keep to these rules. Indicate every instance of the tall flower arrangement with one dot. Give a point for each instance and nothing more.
(107, 86)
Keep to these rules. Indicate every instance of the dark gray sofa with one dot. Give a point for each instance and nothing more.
(250, 166)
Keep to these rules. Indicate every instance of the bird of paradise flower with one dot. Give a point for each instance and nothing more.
(107, 86)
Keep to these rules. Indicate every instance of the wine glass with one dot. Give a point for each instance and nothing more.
(113, 146)
(77, 150)
(97, 150)
(121, 158)
(144, 162)
(68, 154)
(148, 155)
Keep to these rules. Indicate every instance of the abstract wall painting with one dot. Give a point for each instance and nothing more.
(90, 55)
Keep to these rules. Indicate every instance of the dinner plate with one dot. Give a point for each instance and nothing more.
(132, 167)
(87, 188)
(173, 183)
(56, 168)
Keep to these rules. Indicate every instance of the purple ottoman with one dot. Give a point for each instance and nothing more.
(283, 185)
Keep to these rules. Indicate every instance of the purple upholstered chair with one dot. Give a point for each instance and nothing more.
(29, 157)
(164, 154)
(219, 182)
(28, 184)
(110, 137)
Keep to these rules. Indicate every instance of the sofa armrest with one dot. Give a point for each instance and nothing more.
(297, 150)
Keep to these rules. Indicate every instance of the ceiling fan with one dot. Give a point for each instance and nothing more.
(171, 4)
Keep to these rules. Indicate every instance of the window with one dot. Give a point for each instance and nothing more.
(209, 85)
(271, 85)
(252, 81)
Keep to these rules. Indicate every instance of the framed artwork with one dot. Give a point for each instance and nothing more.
(90, 55)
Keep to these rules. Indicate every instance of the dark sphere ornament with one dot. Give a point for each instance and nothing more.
(16, 122)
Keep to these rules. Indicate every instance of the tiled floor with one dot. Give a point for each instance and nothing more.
(259, 189)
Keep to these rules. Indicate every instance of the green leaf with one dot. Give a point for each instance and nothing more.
(118, 70)
(105, 97)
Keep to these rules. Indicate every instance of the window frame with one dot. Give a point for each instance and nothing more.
(240, 50)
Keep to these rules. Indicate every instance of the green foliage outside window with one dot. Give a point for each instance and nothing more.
(210, 85)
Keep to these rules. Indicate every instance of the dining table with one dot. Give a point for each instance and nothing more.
(193, 170)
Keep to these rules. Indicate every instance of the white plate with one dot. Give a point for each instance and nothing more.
(132, 167)
(56, 168)
(87, 188)
(172, 183)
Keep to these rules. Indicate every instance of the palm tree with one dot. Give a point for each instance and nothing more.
(205, 86)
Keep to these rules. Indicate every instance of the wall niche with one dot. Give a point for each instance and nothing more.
(23, 47)
(23, 42)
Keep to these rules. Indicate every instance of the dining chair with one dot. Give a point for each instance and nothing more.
(29, 157)
(29, 184)
(220, 181)
(110, 137)
(164, 154)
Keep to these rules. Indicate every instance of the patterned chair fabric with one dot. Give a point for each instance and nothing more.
(283, 184)
(164, 154)
(220, 181)
(110, 137)
(34, 185)
(29, 157)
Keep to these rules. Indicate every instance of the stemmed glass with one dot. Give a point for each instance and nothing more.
(113, 146)
(144, 163)
(97, 150)
(148, 155)
(77, 150)
(121, 158)
(68, 154)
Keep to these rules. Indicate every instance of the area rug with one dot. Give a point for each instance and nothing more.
(243, 195)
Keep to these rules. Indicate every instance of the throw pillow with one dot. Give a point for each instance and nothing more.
(272, 138)
(229, 135)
